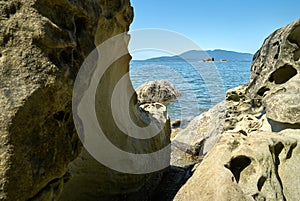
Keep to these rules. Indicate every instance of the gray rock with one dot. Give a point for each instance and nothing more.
(275, 75)
(262, 166)
(160, 91)
(194, 141)
(257, 155)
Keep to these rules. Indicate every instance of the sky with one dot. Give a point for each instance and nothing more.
(236, 25)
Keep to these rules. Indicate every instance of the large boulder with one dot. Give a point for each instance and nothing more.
(257, 155)
(161, 91)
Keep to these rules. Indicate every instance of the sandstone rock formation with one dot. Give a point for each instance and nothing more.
(193, 142)
(160, 91)
(257, 155)
(92, 180)
(260, 166)
(275, 75)
(43, 44)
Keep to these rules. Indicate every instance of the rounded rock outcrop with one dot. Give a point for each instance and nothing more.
(275, 75)
(160, 91)
(257, 151)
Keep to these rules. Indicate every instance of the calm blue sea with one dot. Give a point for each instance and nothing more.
(202, 84)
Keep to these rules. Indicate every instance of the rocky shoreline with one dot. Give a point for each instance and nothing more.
(244, 148)
(255, 153)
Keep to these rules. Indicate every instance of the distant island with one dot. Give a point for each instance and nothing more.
(212, 59)
(202, 55)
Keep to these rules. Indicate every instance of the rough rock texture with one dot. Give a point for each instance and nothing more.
(275, 75)
(193, 142)
(257, 155)
(160, 91)
(260, 166)
(42, 45)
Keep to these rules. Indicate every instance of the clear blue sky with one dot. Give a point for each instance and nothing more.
(237, 25)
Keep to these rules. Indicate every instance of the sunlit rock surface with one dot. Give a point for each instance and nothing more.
(257, 155)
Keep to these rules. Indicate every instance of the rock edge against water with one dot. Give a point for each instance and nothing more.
(160, 91)
(258, 154)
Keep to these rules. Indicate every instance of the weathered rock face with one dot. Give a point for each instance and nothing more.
(160, 91)
(275, 75)
(257, 155)
(42, 45)
(192, 143)
(260, 166)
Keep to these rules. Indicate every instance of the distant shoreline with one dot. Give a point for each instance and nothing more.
(199, 55)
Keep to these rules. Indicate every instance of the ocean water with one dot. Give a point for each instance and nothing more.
(202, 84)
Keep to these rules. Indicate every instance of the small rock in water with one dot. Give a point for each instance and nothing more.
(176, 123)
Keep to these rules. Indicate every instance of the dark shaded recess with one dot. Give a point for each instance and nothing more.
(256, 102)
(243, 132)
(53, 186)
(233, 97)
(279, 126)
(53, 56)
(10, 8)
(262, 91)
(237, 165)
(173, 179)
(283, 74)
(80, 25)
(276, 150)
(110, 6)
(176, 124)
(297, 55)
(261, 182)
(58, 13)
(6, 39)
(59, 116)
(258, 197)
(84, 44)
(198, 149)
(75, 55)
(256, 55)
(294, 37)
(278, 49)
(67, 55)
(290, 152)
